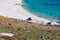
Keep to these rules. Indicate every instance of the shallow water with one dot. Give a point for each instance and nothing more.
(49, 9)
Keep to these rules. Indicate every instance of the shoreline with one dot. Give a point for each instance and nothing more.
(16, 10)
(34, 17)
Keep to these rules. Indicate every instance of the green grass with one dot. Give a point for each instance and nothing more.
(32, 34)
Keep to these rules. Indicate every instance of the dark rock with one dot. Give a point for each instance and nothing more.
(58, 34)
(26, 27)
(58, 22)
(41, 36)
(9, 24)
(22, 5)
(49, 31)
(48, 37)
(49, 23)
(57, 25)
(0, 22)
(17, 4)
(51, 39)
(24, 38)
(58, 17)
(29, 19)
(19, 29)
(53, 33)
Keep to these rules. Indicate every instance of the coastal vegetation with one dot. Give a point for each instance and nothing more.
(27, 31)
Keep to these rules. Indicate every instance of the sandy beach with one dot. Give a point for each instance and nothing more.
(14, 9)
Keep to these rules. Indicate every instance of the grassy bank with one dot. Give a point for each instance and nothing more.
(27, 31)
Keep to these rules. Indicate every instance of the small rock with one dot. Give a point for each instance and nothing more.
(24, 38)
(49, 31)
(41, 36)
(18, 28)
(59, 34)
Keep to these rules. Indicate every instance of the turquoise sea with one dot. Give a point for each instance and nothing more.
(49, 9)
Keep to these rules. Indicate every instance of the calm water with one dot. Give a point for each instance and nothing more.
(49, 9)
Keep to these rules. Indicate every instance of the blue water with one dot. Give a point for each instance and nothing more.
(49, 9)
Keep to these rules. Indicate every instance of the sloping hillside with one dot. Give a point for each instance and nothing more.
(27, 31)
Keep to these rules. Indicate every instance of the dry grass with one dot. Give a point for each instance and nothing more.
(22, 24)
(35, 29)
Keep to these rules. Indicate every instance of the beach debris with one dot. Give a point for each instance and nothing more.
(6, 34)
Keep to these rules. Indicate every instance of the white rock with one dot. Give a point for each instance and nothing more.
(6, 34)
